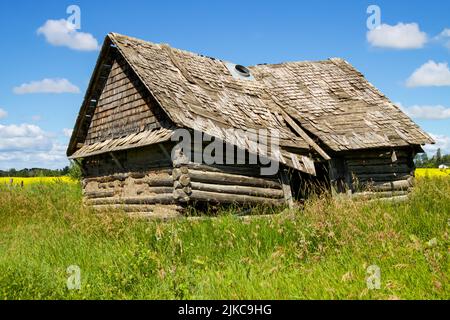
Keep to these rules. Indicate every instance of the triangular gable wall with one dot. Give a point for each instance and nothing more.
(124, 107)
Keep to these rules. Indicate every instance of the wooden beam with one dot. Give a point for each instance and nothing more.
(286, 186)
(304, 135)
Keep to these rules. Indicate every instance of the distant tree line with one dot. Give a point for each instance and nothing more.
(73, 171)
(35, 172)
(423, 161)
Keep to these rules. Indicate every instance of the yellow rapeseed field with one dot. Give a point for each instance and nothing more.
(34, 180)
(432, 172)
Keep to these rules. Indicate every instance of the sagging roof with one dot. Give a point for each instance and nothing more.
(332, 101)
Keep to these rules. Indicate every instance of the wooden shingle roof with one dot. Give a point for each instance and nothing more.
(329, 99)
(334, 102)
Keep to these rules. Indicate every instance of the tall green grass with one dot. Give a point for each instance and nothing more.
(319, 252)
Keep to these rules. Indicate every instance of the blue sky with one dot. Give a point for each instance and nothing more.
(408, 62)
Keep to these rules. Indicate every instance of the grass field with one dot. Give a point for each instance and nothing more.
(321, 252)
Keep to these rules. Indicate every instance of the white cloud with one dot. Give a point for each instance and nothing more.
(3, 113)
(430, 74)
(47, 86)
(63, 33)
(445, 33)
(428, 112)
(67, 132)
(27, 145)
(444, 37)
(442, 142)
(400, 36)
(23, 137)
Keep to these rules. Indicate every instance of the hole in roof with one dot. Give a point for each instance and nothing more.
(243, 71)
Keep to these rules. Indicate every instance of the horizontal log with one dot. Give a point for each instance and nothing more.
(98, 194)
(366, 154)
(165, 198)
(243, 190)
(381, 194)
(137, 175)
(155, 181)
(138, 207)
(369, 169)
(392, 199)
(133, 163)
(248, 170)
(232, 179)
(388, 186)
(124, 176)
(380, 177)
(157, 190)
(216, 197)
(375, 162)
(108, 178)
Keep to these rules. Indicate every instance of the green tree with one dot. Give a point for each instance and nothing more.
(438, 156)
(74, 171)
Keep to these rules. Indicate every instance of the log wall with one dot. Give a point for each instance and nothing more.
(228, 184)
(140, 179)
(378, 174)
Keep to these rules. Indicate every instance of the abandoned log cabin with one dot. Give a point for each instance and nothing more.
(333, 128)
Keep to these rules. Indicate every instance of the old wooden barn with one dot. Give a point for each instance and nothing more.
(334, 129)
